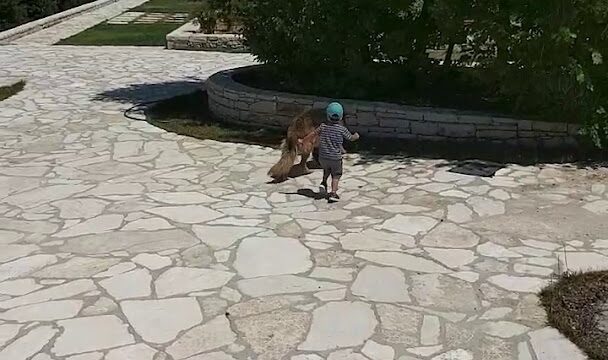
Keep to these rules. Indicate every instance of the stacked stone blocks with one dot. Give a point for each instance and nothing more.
(238, 103)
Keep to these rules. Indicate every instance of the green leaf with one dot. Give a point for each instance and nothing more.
(597, 58)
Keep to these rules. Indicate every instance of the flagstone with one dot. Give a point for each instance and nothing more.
(160, 321)
(90, 334)
(288, 257)
(340, 324)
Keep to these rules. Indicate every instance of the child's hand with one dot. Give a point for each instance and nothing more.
(356, 136)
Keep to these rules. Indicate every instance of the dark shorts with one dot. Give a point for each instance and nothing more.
(333, 167)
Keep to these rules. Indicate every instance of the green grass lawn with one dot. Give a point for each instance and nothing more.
(135, 34)
(189, 115)
(123, 35)
(8, 91)
(168, 6)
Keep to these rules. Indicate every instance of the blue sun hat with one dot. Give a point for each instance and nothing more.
(335, 111)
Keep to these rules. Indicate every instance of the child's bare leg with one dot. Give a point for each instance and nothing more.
(335, 181)
(326, 174)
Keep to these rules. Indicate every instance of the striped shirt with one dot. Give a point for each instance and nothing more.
(331, 137)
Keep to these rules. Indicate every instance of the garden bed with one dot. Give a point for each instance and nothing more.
(190, 115)
(577, 305)
(188, 37)
(454, 88)
(235, 101)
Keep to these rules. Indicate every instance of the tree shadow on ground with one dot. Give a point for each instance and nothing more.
(147, 92)
(469, 166)
(474, 154)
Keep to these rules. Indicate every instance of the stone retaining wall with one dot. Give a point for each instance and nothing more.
(186, 37)
(238, 103)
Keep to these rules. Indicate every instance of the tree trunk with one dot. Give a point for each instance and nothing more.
(447, 61)
(424, 23)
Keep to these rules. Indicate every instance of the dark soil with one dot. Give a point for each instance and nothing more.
(574, 304)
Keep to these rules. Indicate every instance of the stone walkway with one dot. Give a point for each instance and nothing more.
(121, 241)
(135, 17)
(75, 25)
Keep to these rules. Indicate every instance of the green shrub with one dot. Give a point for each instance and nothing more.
(543, 58)
(17, 12)
(543, 47)
(11, 14)
(302, 35)
(549, 57)
(40, 8)
(213, 13)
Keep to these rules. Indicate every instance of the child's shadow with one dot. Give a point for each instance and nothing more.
(309, 194)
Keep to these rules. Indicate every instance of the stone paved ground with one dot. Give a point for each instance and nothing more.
(120, 241)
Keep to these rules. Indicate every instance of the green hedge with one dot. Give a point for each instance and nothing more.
(16, 12)
(210, 14)
(547, 58)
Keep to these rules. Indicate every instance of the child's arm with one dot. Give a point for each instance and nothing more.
(308, 136)
(348, 136)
